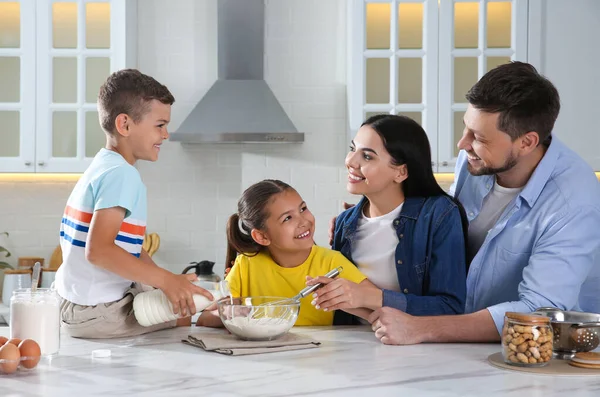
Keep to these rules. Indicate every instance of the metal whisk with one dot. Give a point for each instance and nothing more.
(262, 309)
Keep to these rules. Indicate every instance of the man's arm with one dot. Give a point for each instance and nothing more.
(557, 268)
(559, 264)
(473, 327)
(394, 327)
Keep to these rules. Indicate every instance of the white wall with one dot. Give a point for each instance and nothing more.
(569, 57)
(193, 189)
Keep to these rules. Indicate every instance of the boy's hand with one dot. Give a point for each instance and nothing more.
(180, 291)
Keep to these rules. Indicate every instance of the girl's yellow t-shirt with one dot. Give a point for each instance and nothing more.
(260, 276)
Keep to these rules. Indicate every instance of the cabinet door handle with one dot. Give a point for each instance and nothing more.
(433, 163)
(27, 163)
(41, 164)
(444, 163)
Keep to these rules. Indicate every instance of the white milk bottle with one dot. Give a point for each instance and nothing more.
(36, 315)
(153, 307)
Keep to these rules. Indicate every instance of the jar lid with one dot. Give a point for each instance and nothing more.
(17, 271)
(527, 318)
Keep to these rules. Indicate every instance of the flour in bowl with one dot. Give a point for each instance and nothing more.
(258, 328)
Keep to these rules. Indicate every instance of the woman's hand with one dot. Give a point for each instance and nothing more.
(340, 293)
(331, 228)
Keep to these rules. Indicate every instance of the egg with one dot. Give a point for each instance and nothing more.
(14, 341)
(29, 348)
(9, 353)
(3, 340)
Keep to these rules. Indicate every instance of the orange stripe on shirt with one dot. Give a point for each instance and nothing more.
(86, 217)
(133, 229)
(81, 216)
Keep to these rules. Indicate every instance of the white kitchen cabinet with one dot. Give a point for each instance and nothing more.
(54, 55)
(419, 58)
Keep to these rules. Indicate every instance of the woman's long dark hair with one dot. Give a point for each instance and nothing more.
(252, 214)
(407, 143)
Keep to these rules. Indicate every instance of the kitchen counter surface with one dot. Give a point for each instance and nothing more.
(350, 362)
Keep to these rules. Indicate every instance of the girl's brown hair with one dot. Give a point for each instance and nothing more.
(251, 214)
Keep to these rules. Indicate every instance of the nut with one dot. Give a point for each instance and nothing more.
(522, 358)
(535, 352)
(527, 344)
(523, 347)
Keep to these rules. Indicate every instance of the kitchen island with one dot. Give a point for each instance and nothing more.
(350, 362)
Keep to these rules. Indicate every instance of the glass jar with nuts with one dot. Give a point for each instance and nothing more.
(526, 340)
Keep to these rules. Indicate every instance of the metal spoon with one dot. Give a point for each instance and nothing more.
(35, 277)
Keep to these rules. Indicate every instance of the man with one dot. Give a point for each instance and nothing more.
(534, 212)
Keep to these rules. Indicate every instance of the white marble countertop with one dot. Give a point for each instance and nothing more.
(350, 362)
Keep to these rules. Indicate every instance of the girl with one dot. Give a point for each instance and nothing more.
(406, 234)
(273, 230)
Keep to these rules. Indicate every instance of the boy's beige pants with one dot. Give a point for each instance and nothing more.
(105, 320)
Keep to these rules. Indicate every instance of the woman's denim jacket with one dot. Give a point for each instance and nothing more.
(430, 256)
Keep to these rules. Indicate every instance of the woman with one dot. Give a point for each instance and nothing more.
(406, 234)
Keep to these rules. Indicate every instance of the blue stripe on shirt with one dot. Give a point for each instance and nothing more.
(75, 226)
(70, 239)
(130, 240)
(80, 243)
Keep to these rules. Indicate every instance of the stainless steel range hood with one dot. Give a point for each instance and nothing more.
(240, 107)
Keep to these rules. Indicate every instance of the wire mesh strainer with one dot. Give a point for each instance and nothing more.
(573, 331)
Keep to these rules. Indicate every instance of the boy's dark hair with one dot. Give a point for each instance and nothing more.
(525, 99)
(252, 214)
(129, 91)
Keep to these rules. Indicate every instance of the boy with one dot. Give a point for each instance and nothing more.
(104, 223)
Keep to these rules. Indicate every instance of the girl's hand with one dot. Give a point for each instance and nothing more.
(343, 294)
(228, 269)
(209, 319)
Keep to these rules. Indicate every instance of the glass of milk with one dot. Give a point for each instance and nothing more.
(36, 315)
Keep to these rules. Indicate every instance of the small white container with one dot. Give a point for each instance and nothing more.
(36, 315)
(153, 307)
